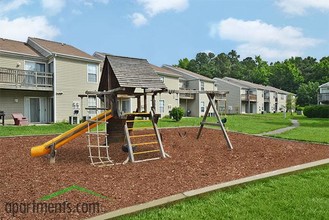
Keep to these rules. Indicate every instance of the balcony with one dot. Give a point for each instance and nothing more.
(324, 98)
(25, 80)
(248, 97)
(186, 96)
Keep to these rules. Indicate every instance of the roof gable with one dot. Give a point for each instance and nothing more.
(186, 74)
(60, 48)
(164, 71)
(13, 46)
(324, 85)
(127, 72)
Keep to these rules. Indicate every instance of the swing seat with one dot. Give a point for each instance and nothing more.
(224, 120)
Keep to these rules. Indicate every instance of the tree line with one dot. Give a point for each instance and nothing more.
(301, 76)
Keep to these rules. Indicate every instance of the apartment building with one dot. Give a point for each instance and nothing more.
(42, 79)
(194, 104)
(247, 97)
(323, 96)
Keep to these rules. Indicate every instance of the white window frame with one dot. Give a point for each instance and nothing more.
(161, 106)
(92, 103)
(202, 106)
(96, 74)
(202, 86)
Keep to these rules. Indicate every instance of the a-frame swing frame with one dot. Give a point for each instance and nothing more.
(211, 97)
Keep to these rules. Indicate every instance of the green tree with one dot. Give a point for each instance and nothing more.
(291, 103)
(248, 66)
(307, 94)
(183, 63)
(286, 76)
(222, 65)
(321, 71)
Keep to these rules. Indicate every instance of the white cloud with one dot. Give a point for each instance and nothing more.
(259, 38)
(92, 2)
(12, 5)
(154, 7)
(24, 27)
(298, 7)
(53, 7)
(138, 19)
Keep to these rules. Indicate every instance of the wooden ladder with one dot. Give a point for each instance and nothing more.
(133, 141)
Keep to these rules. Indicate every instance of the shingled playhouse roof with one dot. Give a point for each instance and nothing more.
(127, 72)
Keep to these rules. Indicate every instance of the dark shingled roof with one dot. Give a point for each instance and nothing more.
(129, 73)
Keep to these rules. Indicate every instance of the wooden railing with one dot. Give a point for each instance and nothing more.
(25, 79)
(248, 97)
(186, 96)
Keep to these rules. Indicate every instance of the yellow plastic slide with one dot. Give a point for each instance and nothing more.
(71, 134)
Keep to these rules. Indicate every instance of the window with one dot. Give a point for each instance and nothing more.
(161, 106)
(34, 66)
(34, 69)
(125, 106)
(92, 103)
(282, 97)
(202, 106)
(162, 78)
(202, 86)
(92, 73)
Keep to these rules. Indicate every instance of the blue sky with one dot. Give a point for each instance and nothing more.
(164, 31)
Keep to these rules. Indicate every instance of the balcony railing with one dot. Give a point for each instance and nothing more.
(186, 96)
(249, 97)
(25, 79)
(324, 97)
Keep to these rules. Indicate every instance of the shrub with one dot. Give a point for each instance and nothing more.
(317, 111)
(177, 113)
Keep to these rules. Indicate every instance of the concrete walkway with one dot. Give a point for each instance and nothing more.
(294, 122)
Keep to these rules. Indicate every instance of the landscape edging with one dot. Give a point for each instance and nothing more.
(207, 189)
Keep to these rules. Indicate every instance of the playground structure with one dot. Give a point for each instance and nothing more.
(133, 78)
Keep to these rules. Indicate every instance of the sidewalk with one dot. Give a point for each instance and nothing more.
(294, 122)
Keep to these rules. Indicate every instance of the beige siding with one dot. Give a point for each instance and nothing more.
(170, 100)
(282, 101)
(260, 101)
(71, 81)
(272, 101)
(233, 98)
(12, 101)
(11, 62)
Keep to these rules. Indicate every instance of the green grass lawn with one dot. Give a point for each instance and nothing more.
(251, 124)
(310, 129)
(304, 195)
(35, 129)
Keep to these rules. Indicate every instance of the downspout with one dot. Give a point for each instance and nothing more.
(55, 89)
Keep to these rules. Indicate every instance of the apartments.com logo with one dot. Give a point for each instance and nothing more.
(42, 206)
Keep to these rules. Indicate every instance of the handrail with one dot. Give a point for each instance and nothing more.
(25, 78)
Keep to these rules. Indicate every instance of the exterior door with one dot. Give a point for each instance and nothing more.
(38, 109)
(34, 110)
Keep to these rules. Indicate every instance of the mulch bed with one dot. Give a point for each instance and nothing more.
(193, 164)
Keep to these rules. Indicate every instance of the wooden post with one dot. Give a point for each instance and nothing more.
(145, 101)
(211, 101)
(212, 104)
(153, 101)
(139, 104)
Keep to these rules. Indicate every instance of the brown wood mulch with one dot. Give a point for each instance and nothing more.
(193, 164)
